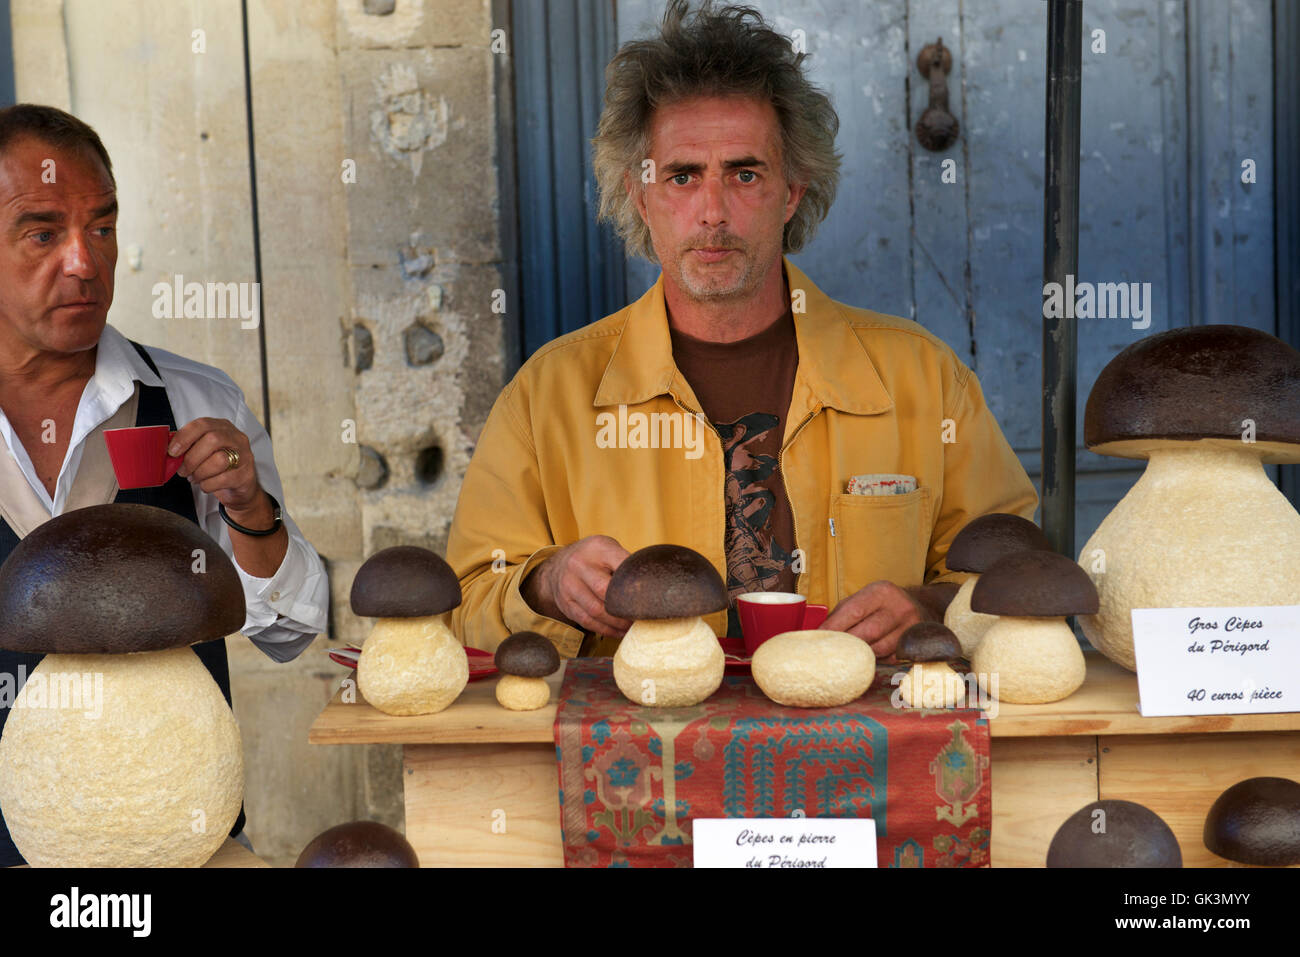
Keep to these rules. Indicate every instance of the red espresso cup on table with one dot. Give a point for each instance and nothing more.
(767, 613)
(139, 455)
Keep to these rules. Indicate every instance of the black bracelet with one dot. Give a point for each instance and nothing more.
(279, 520)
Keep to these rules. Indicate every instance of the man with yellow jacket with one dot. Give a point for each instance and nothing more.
(730, 406)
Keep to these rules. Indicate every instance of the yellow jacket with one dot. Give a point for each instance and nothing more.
(873, 393)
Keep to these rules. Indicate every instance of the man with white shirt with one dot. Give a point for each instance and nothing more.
(66, 376)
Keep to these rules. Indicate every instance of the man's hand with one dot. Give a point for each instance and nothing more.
(879, 614)
(570, 585)
(202, 442)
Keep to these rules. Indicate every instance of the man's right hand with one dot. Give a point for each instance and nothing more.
(570, 585)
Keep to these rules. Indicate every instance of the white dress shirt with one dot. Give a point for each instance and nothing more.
(284, 612)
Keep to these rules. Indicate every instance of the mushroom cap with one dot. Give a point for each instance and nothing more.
(404, 581)
(665, 581)
(358, 844)
(527, 655)
(986, 539)
(1130, 835)
(1197, 382)
(1256, 821)
(928, 641)
(1035, 584)
(117, 578)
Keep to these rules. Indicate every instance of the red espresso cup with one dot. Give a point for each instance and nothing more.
(767, 613)
(139, 455)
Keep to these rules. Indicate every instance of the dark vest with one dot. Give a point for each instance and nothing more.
(175, 496)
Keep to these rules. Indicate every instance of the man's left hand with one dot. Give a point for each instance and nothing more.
(203, 443)
(879, 613)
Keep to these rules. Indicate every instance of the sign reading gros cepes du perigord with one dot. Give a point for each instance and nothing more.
(1217, 660)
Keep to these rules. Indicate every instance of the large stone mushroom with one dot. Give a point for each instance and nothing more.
(358, 844)
(1114, 833)
(410, 662)
(670, 657)
(121, 750)
(524, 660)
(1204, 525)
(1030, 648)
(1257, 822)
(978, 545)
(931, 682)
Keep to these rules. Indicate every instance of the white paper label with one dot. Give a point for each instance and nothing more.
(1217, 660)
(785, 842)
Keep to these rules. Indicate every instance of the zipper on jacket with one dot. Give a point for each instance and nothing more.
(794, 516)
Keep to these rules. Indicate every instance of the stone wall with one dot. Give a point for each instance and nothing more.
(375, 132)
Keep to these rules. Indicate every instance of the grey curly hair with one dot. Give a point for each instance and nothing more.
(726, 52)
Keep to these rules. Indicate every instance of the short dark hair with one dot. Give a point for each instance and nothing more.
(729, 51)
(51, 125)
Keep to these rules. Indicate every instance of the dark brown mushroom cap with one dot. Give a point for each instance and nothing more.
(404, 582)
(1127, 835)
(358, 844)
(986, 539)
(117, 578)
(665, 581)
(1194, 383)
(928, 641)
(1035, 584)
(527, 655)
(1256, 821)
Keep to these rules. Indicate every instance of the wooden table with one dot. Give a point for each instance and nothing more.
(482, 787)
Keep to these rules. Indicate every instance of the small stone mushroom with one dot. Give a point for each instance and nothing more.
(524, 660)
(1256, 821)
(410, 663)
(1114, 833)
(1030, 648)
(977, 546)
(108, 772)
(670, 657)
(931, 682)
(1208, 407)
(358, 844)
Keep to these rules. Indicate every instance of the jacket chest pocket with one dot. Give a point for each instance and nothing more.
(880, 537)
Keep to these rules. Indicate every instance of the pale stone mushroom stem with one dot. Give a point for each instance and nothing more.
(933, 684)
(968, 625)
(1036, 660)
(1203, 526)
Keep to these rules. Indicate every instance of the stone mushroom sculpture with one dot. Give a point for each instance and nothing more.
(1207, 406)
(358, 844)
(131, 757)
(931, 682)
(669, 658)
(1113, 833)
(524, 660)
(410, 663)
(814, 668)
(978, 545)
(1030, 647)
(1256, 821)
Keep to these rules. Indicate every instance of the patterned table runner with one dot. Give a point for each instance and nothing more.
(632, 779)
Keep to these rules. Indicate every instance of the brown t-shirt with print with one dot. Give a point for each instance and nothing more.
(744, 389)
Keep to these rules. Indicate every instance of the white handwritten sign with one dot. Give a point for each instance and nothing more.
(1217, 660)
(785, 842)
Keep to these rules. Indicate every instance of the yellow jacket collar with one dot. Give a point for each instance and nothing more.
(832, 362)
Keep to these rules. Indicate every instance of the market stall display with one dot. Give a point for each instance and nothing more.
(1030, 649)
(670, 657)
(1204, 526)
(930, 647)
(814, 669)
(524, 660)
(410, 663)
(358, 844)
(1256, 821)
(1114, 833)
(978, 545)
(121, 751)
